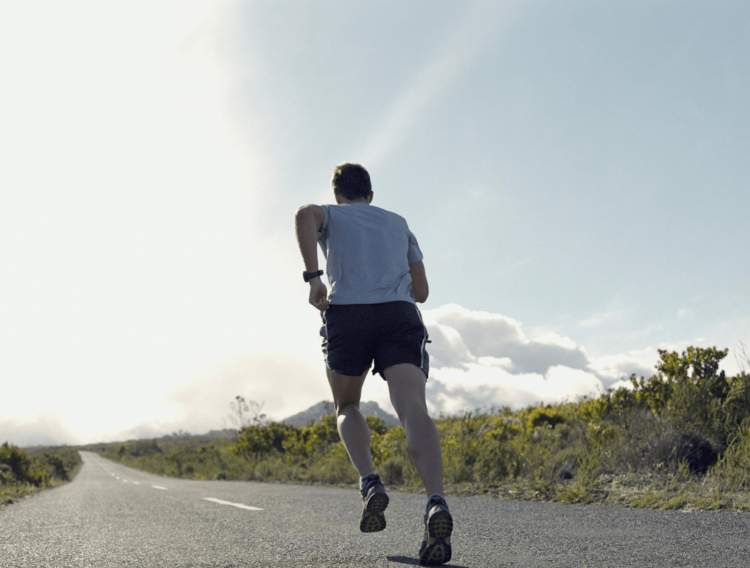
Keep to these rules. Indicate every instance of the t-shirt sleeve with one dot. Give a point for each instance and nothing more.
(414, 253)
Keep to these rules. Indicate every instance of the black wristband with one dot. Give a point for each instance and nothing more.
(310, 275)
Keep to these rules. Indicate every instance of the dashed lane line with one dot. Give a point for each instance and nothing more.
(159, 487)
(238, 505)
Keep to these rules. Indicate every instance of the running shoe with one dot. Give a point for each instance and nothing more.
(375, 500)
(438, 526)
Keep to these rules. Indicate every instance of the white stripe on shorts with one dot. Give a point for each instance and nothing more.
(424, 338)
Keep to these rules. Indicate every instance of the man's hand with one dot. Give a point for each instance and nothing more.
(318, 294)
(419, 287)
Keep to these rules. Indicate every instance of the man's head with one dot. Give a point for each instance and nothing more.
(351, 182)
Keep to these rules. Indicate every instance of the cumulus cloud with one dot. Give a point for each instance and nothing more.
(481, 360)
(640, 361)
(462, 336)
(448, 347)
(451, 391)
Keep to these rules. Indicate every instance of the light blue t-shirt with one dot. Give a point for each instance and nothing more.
(368, 251)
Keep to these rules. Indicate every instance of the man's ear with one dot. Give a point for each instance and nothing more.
(369, 199)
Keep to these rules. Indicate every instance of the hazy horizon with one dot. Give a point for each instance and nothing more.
(574, 173)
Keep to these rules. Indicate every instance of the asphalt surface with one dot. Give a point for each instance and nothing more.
(113, 516)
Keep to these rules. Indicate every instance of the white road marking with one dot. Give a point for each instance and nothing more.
(238, 505)
(136, 482)
(159, 487)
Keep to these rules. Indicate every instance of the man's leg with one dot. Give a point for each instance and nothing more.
(352, 427)
(406, 385)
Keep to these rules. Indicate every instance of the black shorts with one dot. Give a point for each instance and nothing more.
(389, 332)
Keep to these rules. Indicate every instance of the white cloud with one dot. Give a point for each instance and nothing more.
(640, 362)
(480, 334)
(447, 347)
(481, 359)
(451, 391)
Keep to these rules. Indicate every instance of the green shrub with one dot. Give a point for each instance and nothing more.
(497, 458)
(392, 448)
(334, 467)
(392, 472)
(545, 416)
(25, 471)
(16, 461)
(6, 474)
(732, 471)
(461, 439)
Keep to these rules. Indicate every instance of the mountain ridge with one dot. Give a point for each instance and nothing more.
(324, 407)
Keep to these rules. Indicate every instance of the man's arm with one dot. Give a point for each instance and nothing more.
(419, 287)
(309, 220)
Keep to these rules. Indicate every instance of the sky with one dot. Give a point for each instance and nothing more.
(573, 172)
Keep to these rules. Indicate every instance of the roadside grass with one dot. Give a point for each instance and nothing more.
(27, 471)
(12, 493)
(556, 466)
(676, 490)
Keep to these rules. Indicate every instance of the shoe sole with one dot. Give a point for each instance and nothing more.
(373, 519)
(438, 550)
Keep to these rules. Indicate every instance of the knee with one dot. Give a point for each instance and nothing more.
(344, 407)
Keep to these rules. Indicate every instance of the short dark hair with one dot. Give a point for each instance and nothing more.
(351, 181)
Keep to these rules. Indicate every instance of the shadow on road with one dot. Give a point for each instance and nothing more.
(415, 562)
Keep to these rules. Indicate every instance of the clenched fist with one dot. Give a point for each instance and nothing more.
(318, 294)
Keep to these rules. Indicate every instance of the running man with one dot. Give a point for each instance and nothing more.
(375, 270)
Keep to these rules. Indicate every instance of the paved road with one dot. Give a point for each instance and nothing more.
(113, 516)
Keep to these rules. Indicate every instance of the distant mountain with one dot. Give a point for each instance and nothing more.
(225, 434)
(320, 409)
